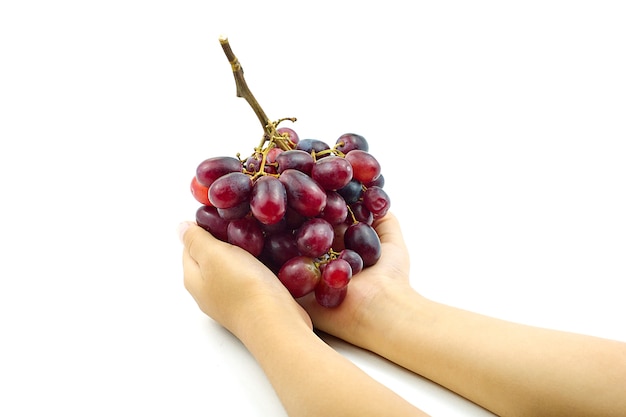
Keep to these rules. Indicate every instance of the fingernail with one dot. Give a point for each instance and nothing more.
(182, 228)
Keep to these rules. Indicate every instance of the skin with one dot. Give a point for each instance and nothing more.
(508, 368)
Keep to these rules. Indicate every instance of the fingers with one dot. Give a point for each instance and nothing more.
(199, 243)
(388, 230)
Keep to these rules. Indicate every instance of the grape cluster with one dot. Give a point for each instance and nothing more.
(303, 208)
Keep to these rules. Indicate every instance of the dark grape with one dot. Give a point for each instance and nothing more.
(378, 182)
(353, 258)
(351, 141)
(211, 169)
(365, 166)
(236, 212)
(312, 145)
(209, 219)
(247, 234)
(230, 190)
(362, 238)
(269, 200)
(295, 159)
(362, 213)
(351, 192)
(299, 275)
(280, 247)
(314, 237)
(303, 194)
(332, 172)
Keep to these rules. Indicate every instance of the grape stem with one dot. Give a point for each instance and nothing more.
(243, 91)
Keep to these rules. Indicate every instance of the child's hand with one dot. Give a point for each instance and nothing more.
(232, 286)
(367, 289)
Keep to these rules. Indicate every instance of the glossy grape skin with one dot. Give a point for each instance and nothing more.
(303, 194)
(211, 169)
(280, 247)
(365, 167)
(268, 200)
(199, 192)
(299, 275)
(292, 135)
(378, 182)
(353, 258)
(209, 219)
(329, 297)
(362, 238)
(247, 234)
(377, 201)
(332, 172)
(230, 190)
(337, 273)
(352, 191)
(351, 141)
(339, 231)
(236, 212)
(362, 213)
(295, 159)
(270, 160)
(253, 163)
(314, 237)
(336, 209)
(312, 145)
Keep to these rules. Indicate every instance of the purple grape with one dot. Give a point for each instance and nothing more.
(353, 258)
(362, 213)
(295, 159)
(351, 192)
(281, 247)
(247, 234)
(362, 238)
(312, 145)
(351, 141)
(209, 219)
(336, 209)
(303, 194)
(236, 212)
(213, 168)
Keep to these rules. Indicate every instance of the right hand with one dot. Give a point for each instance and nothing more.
(367, 289)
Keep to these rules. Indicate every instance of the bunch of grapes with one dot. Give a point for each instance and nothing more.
(302, 207)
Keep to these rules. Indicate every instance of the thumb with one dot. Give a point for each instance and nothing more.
(196, 240)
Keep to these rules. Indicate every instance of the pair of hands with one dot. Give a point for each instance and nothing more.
(237, 290)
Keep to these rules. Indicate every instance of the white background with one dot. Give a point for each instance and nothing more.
(500, 127)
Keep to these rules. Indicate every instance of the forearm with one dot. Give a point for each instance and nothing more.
(311, 379)
(508, 368)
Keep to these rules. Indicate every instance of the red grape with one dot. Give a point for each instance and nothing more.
(269, 200)
(377, 201)
(211, 169)
(336, 209)
(230, 189)
(362, 238)
(299, 275)
(295, 159)
(314, 237)
(199, 192)
(247, 234)
(303, 194)
(209, 219)
(350, 141)
(332, 172)
(365, 166)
